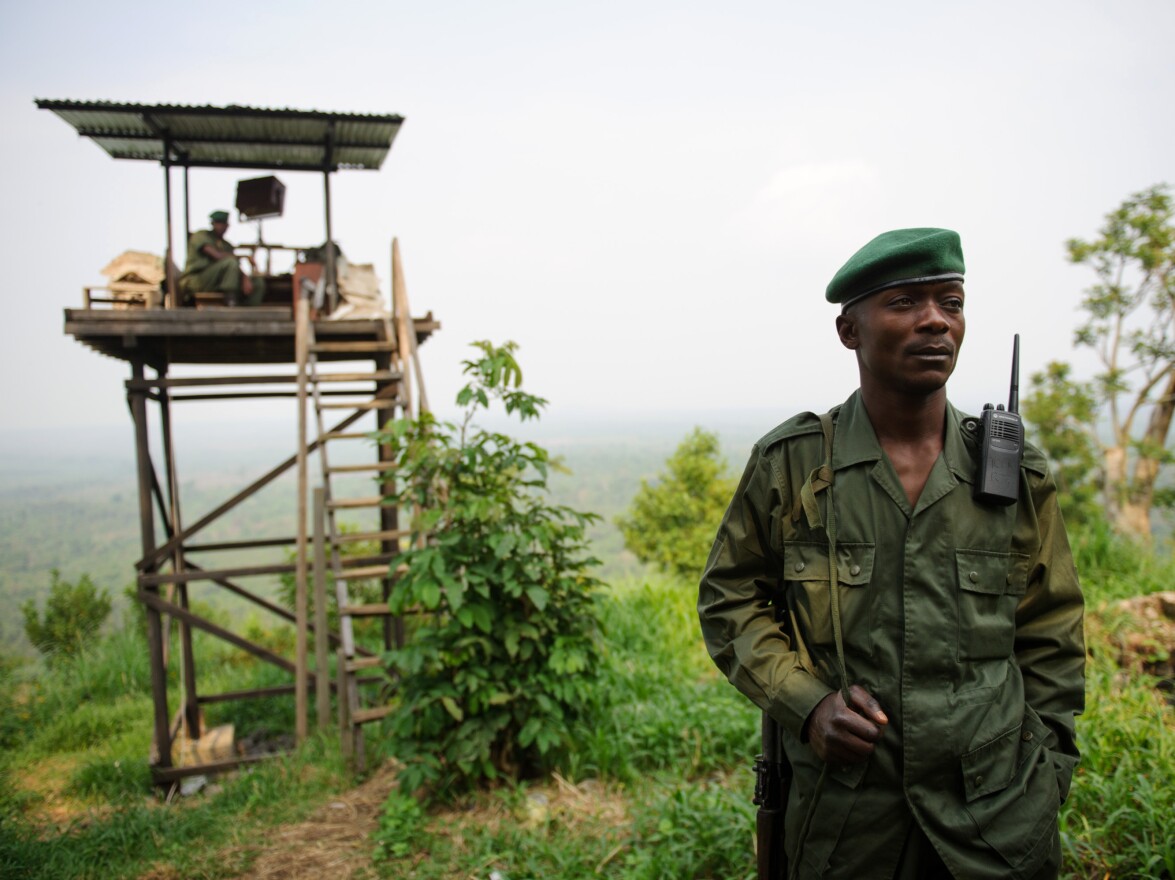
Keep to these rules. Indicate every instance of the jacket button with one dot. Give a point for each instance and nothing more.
(799, 566)
(974, 577)
(855, 570)
(979, 780)
(1026, 735)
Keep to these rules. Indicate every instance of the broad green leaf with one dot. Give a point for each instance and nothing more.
(538, 596)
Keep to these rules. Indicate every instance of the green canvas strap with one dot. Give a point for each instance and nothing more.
(806, 505)
(820, 480)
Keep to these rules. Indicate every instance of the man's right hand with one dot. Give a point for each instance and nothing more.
(846, 734)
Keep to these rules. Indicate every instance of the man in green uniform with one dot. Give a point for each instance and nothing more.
(927, 701)
(212, 266)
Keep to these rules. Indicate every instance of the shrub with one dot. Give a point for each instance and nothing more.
(73, 613)
(503, 655)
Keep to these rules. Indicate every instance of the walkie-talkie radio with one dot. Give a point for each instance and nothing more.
(1001, 444)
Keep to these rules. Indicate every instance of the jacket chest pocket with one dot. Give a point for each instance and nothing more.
(805, 572)
(991, 585)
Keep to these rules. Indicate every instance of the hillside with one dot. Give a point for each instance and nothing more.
(68, 500)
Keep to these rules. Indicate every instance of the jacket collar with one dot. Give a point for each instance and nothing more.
(855, 440)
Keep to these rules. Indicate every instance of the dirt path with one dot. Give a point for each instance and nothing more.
(333, 842)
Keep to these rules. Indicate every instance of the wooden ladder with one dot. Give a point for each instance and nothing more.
(383, 390)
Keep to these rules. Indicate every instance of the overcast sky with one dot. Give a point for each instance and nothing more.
(648, 197)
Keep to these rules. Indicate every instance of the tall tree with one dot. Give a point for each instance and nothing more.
(1130, 323)
(671, 523)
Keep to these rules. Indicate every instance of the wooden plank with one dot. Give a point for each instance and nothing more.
(321, 646)
(401, 317)
(375, 376)
(347, 698)
(347, 435)
(358, 347)
(352, 503)
(364, 663)
(202, 381)
(240, 545)
(365, 716)
(374, 609)
(386, 535)
(165, 607)
(361, 404)
(261, 693)
(212, 574)
(301, 344)
(146, 474)
(361, 468)
(173, 774)
(363, 572)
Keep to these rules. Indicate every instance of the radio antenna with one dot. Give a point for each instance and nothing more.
(1014, 390)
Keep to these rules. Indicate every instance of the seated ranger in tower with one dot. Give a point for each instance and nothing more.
(213, 267)
(920, 648)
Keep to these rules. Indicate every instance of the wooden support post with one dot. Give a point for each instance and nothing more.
(301, 344)
(162, 736)
(389, 518)
(346, 742)
(321, 646)
(191, 707)
(403, 324)
(172, 300)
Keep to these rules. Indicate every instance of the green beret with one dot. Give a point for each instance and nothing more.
(219, 216)
(901, 256)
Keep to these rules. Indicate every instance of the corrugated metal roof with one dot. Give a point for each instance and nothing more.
(232, 137)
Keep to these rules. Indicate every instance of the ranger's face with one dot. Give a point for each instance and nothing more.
(907, 339)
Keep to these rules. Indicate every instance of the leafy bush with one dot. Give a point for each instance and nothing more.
(671, 523)
(505, 649)
(73, 613)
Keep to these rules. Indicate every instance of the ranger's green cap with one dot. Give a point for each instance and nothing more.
(900, 256)
(219, 216)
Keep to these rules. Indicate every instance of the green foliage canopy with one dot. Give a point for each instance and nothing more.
(73, 613)
(1130, 324)
(671, 522)
(499, 664)
(1061, 412)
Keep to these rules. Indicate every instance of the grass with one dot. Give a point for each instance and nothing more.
(658, 784)
(191, 838)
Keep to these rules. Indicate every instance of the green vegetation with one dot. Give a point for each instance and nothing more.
(1130, 324)
(73, 613)
(498, 668)
(671, 522)
(662, 762)
(657, 785)
(653, 780)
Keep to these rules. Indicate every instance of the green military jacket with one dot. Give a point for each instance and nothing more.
(197, 261)
(963, 619)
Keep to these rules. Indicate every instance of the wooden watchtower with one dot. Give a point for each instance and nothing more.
(347, 366)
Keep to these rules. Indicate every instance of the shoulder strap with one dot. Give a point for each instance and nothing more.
(820, 480)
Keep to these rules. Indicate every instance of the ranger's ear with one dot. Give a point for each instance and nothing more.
(846, 329)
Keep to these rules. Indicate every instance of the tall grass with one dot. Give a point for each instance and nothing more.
(659, 703)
